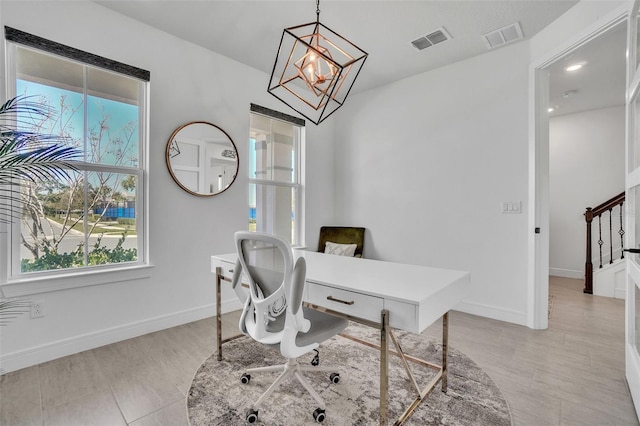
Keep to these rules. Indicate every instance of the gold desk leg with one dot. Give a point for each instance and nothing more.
(384, 366)
(445, 344)
(219, 313)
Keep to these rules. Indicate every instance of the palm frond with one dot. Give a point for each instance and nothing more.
(27, 155)
(22, 110)
(11, 309)
(39, 164)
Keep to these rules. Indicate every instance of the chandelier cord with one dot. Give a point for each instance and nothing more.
(317, 10)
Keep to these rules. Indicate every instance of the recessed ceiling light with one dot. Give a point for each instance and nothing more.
(551, 109)
(574, 67)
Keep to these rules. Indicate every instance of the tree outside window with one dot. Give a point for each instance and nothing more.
(93, 218)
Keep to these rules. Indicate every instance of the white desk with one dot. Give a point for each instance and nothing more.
(381, 294)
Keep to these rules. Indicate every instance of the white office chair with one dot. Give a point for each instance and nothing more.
(273, 313)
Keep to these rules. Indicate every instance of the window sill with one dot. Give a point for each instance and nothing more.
(28, 286)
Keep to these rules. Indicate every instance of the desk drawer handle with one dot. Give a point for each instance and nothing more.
(333, 299)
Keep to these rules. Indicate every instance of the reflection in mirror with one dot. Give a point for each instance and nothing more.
(202, 158)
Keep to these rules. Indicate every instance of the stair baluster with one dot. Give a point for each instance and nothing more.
(597, 211)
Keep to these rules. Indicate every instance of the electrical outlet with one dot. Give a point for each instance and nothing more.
(37, 309)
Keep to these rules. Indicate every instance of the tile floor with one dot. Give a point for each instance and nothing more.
(570, 374)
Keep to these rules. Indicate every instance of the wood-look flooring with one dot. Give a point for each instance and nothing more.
(570, 374)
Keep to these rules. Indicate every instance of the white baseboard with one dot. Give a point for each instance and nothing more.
(47, 352)
(566, 273)
(493, 312)
(619, 293)
(50, 351)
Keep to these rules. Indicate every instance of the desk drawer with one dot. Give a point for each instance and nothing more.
(347, 302)
(227, 268)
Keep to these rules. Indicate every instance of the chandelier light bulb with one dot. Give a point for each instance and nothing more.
(311, 73)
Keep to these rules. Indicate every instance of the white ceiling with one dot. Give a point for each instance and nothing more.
(600, 83)
(250, 31)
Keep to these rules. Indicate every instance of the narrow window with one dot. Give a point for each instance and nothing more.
(275, 174)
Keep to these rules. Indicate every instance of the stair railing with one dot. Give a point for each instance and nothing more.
(596, 213)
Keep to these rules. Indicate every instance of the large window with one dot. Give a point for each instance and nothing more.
(96, 217)
(275, 174)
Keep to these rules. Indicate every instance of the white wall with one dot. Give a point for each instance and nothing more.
(439, 152)
(586, 168)
(442, 151)
(187, 83)
(425, 163)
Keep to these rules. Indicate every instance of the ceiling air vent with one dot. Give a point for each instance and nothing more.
(438, 36)
(503, 36)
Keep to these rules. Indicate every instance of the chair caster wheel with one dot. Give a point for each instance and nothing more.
(316, 358)
(318, 415)
(252, 415)
(245, 379)
(334, 377)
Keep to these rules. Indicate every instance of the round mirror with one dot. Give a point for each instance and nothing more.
(202, 158)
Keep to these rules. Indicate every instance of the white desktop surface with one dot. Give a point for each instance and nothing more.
(415, 296)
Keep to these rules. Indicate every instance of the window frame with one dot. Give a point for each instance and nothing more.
(14, 282)
(298, 186)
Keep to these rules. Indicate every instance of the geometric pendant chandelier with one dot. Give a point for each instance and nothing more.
(315, 69)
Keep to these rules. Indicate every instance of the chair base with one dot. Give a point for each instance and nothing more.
(292, 368)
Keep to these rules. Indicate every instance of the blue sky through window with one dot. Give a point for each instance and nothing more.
(120, 140)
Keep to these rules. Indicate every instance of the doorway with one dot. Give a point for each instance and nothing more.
(555, 87)
(587, 156)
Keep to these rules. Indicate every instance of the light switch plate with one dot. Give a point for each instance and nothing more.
(511, 207)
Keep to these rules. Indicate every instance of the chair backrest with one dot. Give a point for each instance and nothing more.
(272, 313)
(342, 235)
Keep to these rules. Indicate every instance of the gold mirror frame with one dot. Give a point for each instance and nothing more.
(196, 153)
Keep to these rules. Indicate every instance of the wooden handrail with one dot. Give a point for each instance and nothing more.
(608, 205)
(589, 215)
